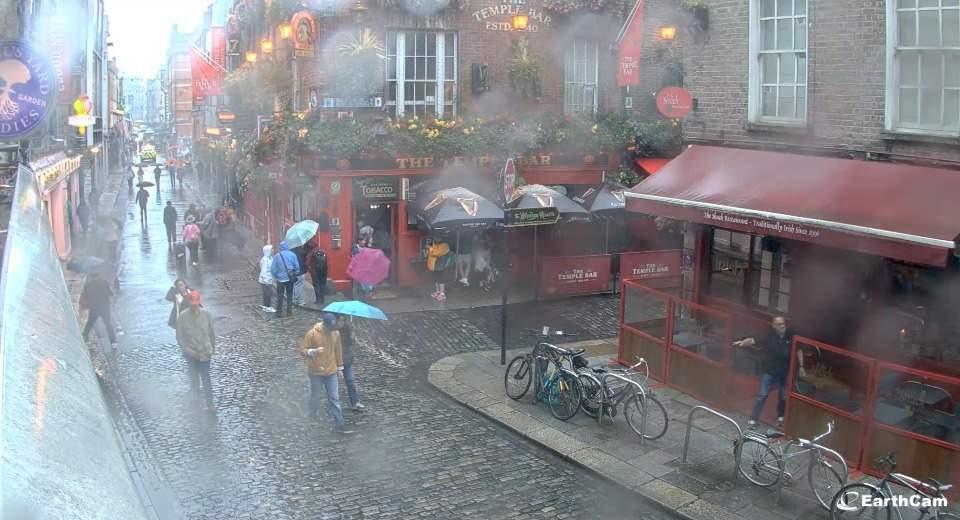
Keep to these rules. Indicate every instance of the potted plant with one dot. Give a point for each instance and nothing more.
(524, 71)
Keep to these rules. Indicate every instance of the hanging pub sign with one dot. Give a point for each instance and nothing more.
(304, 34)
(674, 102)
(376, 189)
(28, 89)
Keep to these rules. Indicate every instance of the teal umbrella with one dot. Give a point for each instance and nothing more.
(301, 233)
(355, 308)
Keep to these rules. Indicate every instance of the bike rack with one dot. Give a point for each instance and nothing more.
(636, 386)
(738, 442)
(807, 444)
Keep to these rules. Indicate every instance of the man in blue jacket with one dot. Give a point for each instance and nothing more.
(284, 268)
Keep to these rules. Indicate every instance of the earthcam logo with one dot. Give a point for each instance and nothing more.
(27, 89)
(854, 500)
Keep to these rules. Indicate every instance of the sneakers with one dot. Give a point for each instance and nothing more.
(465, 282)
(780, 421)
(359, 407)
(342, 430)
(751, 424)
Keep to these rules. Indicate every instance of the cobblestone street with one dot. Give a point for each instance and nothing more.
(415, 454)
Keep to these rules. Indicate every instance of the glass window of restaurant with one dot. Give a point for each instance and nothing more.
(750, 270)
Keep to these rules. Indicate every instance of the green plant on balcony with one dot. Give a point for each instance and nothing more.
(359, 65)
(524, 71)
(255, 89)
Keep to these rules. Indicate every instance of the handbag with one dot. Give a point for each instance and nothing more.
(290, 272)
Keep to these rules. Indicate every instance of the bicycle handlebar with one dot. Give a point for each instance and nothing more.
(825, 434)
(545, 332)
(562, 351)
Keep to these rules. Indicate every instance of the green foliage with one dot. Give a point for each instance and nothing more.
(359, 65)
(254, 89)
(525, 71)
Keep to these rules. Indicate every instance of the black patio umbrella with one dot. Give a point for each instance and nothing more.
(457, 208)
(534, 196)
(604, 200)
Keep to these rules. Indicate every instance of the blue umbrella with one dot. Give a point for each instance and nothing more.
(355, 308)
(301, 233)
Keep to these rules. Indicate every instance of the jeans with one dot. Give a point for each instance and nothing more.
(298, 290)
(143, 212)
(199, 374)
(194, 251)
(331, 387)
(267, 294)
(171, 233)
(351, 384)
(767, 382)
(102, 313)
(319, 287)
(284, 288)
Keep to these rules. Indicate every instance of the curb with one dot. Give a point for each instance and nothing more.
(444, 368)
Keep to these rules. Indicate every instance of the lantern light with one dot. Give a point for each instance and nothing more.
(520, 22)
(266, 46)
(251, 57)
(668, 32)
(286, 31)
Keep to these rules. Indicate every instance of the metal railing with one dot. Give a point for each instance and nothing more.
(738, 444)
(628, 381)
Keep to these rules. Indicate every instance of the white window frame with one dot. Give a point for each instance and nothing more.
(892, 97)
(568, 83)
(754, 72)
(439, 102)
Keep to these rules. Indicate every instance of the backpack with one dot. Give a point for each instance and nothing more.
(319, 261)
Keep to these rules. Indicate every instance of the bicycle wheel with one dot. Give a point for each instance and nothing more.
(825, 479)
(759, 463)
(947, 516)
(590, 401)
(517, 378)
(564, 396)
(848, 503)
(655, 424)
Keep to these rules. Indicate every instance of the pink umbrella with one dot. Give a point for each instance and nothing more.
(369, 267)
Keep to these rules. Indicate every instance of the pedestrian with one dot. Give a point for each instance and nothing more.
(192, 211)
(464, 259)
(139, 176)
(130, 181)
(438, 255)
(318, 272)
(83, 214)
(95, 297)
(178, 295)
(142, 198)
(346, 343)
(360, 290)
(110, 234)
(180, 176)
(156, 176)
(198, 342)
(321, 350)
(171, 171)
(300, 283)
(208, 230)
(776, 364)
(284, 269)
(170, 222)
(266, 278)
(191, 235)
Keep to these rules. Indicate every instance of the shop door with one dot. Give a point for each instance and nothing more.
(382, 218)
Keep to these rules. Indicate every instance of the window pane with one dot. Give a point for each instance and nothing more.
(951, 108)
(930, 106)
(950, 3)
(450, 46)
(801, 102)
(788, 67)
(391, 43)
(800, 28)
(784, 7)
(450, 70)
(391, 91)
(785, 105)
(766, 8)
(410, 68)
(408, 43)
(952, 78)
(431, 68)
(800, 7)
(769, 101)
(769, 68)
(907, 29)
(929, 28)
(910, 69)
(802, 69)
(785, 33)
(408, 91)
(951, 28)
(908, 105)
(907, 3)
(769, 33)
(392, 68)
(448, 94)
(931, 74)
(421, 44)
(432, 45)
(430, 92)
(929, 3)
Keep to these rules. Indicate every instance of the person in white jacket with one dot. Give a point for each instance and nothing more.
(266, 278)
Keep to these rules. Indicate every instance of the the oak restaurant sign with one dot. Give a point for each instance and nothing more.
(376, 189)
(568, 275)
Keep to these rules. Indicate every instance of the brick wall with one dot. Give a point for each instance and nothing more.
(846, 81)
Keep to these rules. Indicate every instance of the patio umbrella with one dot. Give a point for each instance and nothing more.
(370, 266)
(606, 201)
(534, 196)
(355, 308)
(301, 233)
(456, 208)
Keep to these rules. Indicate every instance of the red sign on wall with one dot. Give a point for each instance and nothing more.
(567, 275)
(630, 43)
(207, 76)
(218, 46)
(650, 265)
(674, 102)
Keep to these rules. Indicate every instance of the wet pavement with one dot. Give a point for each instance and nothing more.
(416, 453)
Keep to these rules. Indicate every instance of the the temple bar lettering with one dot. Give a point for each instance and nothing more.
(411, 163)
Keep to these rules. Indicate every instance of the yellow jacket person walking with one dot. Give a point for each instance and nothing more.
(322, 351)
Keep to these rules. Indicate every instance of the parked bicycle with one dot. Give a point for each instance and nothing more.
(852, 502)
(764, 462)
(519, 374)
(599, 395)
(557, 383)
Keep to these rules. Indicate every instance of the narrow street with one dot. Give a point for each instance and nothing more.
(415, 453)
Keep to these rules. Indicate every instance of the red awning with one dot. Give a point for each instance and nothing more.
(909, 213)
(651, 165)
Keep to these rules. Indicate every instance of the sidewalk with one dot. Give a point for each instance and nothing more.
(703, 489)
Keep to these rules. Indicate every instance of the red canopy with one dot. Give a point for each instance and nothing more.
(897, 211)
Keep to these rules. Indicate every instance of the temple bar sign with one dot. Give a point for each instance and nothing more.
(500, 17)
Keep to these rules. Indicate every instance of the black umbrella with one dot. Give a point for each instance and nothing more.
(534, 196)
(604, 200)
(457, 208)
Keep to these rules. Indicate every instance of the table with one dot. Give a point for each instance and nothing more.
(890, 414)
(690, 341)
(928, 395)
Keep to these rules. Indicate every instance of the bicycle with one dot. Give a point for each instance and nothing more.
(519, 373)
(764, 464)
(849, 501)
(598, 395)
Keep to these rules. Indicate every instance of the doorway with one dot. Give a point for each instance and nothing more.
(381, 217)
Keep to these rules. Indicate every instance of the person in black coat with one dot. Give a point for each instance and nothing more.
(317, 262)
(178, 295)
(170, 222)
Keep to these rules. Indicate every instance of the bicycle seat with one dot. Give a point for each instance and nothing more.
(774, 434)
(598, 370)
(576, 353)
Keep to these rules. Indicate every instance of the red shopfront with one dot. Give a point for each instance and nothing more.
(857, 255)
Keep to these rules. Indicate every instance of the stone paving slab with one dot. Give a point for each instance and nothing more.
(703, 488)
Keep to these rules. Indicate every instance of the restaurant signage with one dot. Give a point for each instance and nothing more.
(376, 189)
(761, 225)
(651, 265)
(674, 102)
(630, 44)
(564, 276)
(28, 89)
(508, 180)
(523, 217)
(304, 34)
(500, 17)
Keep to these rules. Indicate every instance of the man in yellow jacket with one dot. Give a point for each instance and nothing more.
(322, 352)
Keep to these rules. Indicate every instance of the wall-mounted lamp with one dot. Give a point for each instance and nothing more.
(286, 31)
(266, 45)
(520, 22)
(668, 32)
(358, 12)
(251, 57)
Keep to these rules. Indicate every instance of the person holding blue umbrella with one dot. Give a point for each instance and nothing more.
(346, 345)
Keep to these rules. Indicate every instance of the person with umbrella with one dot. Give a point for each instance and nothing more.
(142, 198)
(191, 235)
(322, 352)
(346, 342)
(438, 253)
(284, 269)
(95, 297)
